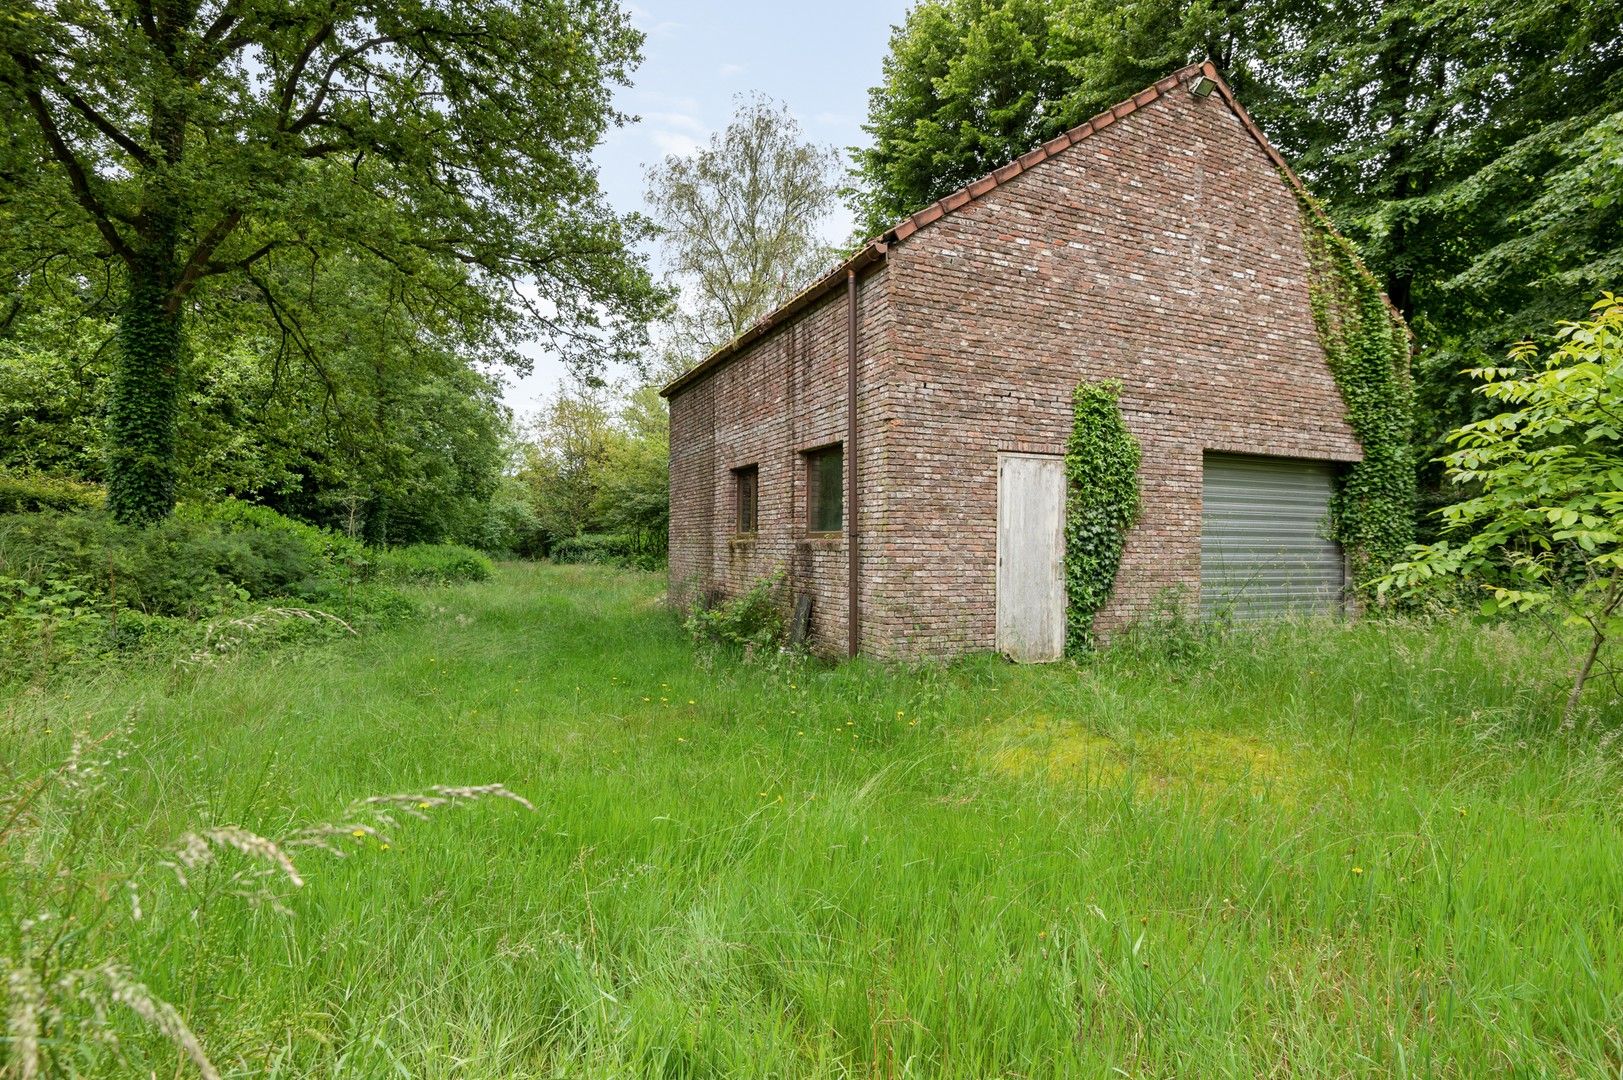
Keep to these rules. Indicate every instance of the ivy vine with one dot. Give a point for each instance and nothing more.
(1101, 505)
(1367, 347)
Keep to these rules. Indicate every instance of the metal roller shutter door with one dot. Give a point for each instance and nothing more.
(1263, 550)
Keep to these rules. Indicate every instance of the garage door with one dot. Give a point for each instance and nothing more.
(1263, 549)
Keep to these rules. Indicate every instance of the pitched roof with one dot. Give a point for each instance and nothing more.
(875, 250)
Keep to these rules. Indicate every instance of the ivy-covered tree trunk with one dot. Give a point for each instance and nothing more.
(144, 392)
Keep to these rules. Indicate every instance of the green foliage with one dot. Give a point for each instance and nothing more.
(1367, 348)
(330, 548)
(229, 162)
(596, 464)
(392, 434)
(738, 224)
(51, 404)
(143, 396)
(601, 549)
(1541, 526)
(184, 566)
(432, 564)
(509, 526)
(753, 620)
(208, 581)
(1101, 505)
(968, 85)
(22, 493)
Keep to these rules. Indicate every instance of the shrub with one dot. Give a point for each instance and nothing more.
(432, 564)
(22, 493)
(605, 549)
(340, 552)
(181, 566)
(752, 620)
(509, 525)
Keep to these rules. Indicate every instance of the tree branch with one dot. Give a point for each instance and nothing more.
(193, 269)
(103, 125)
(296, 72)
(313, 111)
(77, 177)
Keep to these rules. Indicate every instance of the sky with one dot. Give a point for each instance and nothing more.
(817, 58)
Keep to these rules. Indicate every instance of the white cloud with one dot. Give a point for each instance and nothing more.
(673, 142)
(680, 120)
(727, 71)
(645, 21)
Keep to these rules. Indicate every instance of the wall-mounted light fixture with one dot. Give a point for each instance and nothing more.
(1203, 86)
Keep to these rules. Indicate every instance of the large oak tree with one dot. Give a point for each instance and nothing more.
(240, 147)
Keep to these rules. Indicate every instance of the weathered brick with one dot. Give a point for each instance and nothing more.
(1163, 250)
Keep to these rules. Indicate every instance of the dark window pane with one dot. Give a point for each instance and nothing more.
(747, 486)
(827, 489)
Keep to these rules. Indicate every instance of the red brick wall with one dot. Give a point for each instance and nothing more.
(1164, 251)
(781, 396)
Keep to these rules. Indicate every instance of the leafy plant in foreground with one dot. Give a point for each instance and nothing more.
(1544, 531)
(752, 620)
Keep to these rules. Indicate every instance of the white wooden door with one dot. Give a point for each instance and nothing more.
(1030, 557)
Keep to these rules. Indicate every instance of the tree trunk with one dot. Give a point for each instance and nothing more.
(1598, 627)
(144, 394)
(1569, 713)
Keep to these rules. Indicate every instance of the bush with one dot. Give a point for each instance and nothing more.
(509, 525)
(432, 564)
(333, 548)
(22, 493)
(603, 549)
(211, 579)
(182, 566)
(752, 620)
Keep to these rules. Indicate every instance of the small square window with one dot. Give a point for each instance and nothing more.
(825, 489)
(747, 488)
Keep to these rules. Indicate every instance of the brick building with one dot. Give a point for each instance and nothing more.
(890, 438)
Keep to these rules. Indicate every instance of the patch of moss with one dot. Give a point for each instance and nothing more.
(1200, 762)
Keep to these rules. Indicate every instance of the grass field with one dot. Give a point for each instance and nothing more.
(1319, 851)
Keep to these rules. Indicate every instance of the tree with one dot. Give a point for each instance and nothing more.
(394, 435)
(967, 86)
(595, 464)
(738, 223)
(1542, 529)
(562, 460)
(242, 144)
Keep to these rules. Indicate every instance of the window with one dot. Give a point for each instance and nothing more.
(747, 487)
(825, 489)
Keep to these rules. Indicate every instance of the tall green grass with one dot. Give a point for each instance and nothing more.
(1311, 851)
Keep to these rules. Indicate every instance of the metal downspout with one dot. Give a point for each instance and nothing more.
(853, 615)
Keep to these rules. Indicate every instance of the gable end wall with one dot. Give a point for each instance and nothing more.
(1164, 251)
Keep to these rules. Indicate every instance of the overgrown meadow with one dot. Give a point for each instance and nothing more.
(1318, 850)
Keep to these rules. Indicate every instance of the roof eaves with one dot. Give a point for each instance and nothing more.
(871, 252)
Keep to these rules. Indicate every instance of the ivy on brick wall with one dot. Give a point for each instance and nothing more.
(1101, 505)
(1367, 347)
